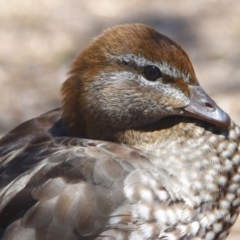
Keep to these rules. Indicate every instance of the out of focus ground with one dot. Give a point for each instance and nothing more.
(39, 39)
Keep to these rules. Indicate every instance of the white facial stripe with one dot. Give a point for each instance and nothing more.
(140, 62)
(119, 76)
(172, 71)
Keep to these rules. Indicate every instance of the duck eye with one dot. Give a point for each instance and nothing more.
(152, 72)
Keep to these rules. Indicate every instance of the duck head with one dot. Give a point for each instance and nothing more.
(130, 77)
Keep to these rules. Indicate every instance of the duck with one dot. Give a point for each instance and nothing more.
(137, 150)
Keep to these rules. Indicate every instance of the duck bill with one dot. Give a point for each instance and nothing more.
(204, 108)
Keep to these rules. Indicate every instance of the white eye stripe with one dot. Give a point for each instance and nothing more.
(118, 76)
(141, 62)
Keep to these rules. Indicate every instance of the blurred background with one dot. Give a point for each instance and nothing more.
(39, 39)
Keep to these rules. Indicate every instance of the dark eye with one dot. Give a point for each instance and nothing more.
(152, 72)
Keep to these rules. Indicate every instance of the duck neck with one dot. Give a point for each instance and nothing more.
(180, 132)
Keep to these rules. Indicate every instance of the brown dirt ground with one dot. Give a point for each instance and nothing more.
(38, 40)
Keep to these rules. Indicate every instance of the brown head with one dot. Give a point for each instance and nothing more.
(130, 77)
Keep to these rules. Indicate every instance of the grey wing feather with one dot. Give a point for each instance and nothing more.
(57, 187)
